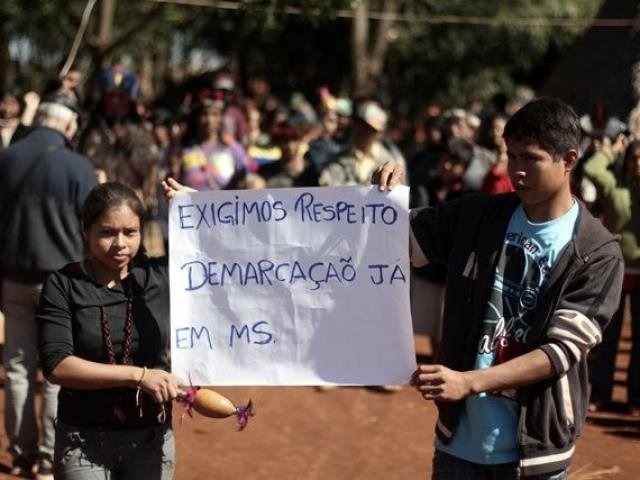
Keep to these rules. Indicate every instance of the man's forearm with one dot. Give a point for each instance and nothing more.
(521, 371)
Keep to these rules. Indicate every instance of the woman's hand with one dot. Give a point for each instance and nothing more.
(388, 176)
(171, 187)
(161, 385)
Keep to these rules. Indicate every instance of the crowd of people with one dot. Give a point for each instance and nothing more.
(80, 176)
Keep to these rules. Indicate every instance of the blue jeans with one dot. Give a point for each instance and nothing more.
(91, 454)
(20, 357)
(604, 363)
(448, 467)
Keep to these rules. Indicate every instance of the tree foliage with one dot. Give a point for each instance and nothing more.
(450, 63)
(299, 44)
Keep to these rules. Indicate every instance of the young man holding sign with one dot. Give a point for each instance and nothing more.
(533, 280)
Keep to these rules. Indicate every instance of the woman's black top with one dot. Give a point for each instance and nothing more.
(69, 324)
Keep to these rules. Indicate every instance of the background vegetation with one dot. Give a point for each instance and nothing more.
(408, 51)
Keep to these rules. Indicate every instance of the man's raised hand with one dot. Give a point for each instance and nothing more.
(388, 176)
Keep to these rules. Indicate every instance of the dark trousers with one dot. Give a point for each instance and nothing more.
(604, 363)
(448, 467)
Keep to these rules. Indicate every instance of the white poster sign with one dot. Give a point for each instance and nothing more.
(291, 287)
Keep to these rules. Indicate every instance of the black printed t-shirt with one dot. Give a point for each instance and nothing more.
(69, 324)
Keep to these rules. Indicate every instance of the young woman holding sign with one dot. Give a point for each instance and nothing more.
(105, 338)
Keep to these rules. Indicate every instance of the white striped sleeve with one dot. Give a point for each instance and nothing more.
(571, 335)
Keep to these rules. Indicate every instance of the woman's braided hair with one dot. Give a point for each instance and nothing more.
(107, 342)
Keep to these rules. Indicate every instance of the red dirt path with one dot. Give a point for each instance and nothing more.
(353, 434)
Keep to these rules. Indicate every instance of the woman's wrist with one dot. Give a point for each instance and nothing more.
(135, 375)
(142, 375)
(139, 391)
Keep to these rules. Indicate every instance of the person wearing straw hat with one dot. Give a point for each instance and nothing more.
(367, 150)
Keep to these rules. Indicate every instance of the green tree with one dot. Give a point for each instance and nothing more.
(358, 47)
(451, 63)
(45, 30)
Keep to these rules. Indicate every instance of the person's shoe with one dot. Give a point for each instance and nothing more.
(22, 467)
(45, 469)
(597, 406)
(634, 411)
(386, 388)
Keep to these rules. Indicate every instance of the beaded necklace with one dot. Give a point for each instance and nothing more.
(107, 342)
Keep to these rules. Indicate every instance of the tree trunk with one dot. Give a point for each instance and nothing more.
(105, 24)
(6, 67)
(359, 49)
(103, 44)
(99, 43)
(368, 62)
(161, 72)
(146, 75)
(377, 56)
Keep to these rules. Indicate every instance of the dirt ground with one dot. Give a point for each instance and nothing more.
(355, 434)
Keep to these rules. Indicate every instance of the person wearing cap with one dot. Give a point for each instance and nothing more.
(43, 184)
(292, 169)
(615, 172)
(610, 137)
(463, 125)
(366, 151)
